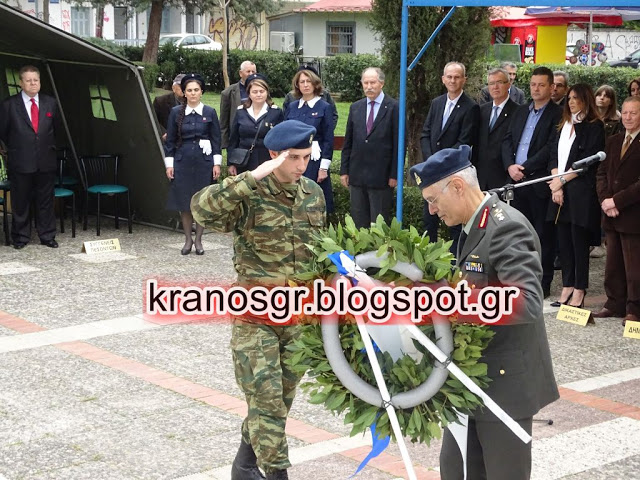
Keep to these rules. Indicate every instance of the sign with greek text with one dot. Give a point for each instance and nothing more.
(101, 246)
(577, 316)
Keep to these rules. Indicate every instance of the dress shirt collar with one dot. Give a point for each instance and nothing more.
(198, 109)
(501, 106)
(633, 135)
(263, 110)
(540, 110)
(378, 99)
(311, 103)
(454, 100)
(27, 99)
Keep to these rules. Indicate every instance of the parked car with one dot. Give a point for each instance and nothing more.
(190, 40)
(628, 61)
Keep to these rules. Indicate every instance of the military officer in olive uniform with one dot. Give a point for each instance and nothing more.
(273, 212)
(498, 247)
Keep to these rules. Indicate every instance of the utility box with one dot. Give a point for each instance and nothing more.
(282, 41)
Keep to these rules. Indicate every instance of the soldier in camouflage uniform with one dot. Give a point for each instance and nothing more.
(273, 212)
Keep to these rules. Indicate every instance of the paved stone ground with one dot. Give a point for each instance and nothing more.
(90, 390)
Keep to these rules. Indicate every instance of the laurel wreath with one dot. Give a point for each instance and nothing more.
(423, 422)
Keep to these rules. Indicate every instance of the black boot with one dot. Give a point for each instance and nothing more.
(244, 465)
(278, 475)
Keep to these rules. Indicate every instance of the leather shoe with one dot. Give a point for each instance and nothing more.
(606, 313)
(19, 246)
(49, 243)
(630, 317)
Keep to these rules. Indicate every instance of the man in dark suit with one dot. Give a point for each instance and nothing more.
(452, 121)
(560, 87)
(525, 153)
(231, 98)
(27, 127)
(370, 152)
(498, 247)
(618, 186)
(163, 104)
(515, 94)
(494, 123)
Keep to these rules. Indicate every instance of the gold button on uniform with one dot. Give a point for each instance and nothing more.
(502, 371)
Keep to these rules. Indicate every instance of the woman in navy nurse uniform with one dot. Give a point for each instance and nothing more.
(257, 115)
(314, 111)
(192, 155)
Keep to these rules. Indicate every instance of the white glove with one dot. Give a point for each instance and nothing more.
(315, 151)
(205, 145)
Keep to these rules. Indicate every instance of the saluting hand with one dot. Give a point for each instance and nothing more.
(269, 166)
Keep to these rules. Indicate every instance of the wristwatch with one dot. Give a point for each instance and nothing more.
(563, 180)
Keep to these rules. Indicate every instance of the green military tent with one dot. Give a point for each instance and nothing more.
(105, 106)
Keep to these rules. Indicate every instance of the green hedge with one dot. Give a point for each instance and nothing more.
(278, 67)
(618, 78)
(341, 74)
(150, 74)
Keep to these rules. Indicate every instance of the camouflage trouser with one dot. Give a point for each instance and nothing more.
(269, 388)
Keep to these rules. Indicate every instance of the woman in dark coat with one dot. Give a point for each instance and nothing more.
(608, 110)
(257, 115)
(574, 204)
(192, 155)
(314, 111)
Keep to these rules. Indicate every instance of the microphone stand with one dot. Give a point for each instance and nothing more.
(506, 191)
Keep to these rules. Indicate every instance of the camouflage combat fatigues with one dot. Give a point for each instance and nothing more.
(271, 224)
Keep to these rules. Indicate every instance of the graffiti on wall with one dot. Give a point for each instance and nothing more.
(617, 44)
(242, 35)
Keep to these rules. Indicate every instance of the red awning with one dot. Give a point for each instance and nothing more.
(515, 17)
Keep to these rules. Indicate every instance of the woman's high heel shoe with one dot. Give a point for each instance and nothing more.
(581, 303)
(199, 251)
(558, 303)
(186, 250)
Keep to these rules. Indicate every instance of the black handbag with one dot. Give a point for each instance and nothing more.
(239, 157)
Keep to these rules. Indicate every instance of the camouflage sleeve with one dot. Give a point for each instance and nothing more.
(223, 206)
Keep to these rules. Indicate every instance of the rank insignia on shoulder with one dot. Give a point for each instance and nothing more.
(474, 256)
(483, 218)
(498, 214)
(474, 267)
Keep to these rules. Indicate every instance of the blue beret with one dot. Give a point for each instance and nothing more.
(190, 77)
(311, 68)
(254, 76)
(289, 134)
(440, 165)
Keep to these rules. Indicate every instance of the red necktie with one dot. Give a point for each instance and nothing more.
(34, 115)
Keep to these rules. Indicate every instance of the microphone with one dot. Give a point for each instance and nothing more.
(587, 162)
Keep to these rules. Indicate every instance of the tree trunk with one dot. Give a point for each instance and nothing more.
(99, 21)
(45, 11)
(225, 43)
(150, 54)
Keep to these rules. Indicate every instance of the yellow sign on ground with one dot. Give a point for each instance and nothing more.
(101, 246)
(632, 330)
(577, 316)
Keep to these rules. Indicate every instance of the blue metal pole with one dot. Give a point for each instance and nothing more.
(404, 40)
(431, 38)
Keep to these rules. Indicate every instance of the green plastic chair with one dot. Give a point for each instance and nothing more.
(101, 174)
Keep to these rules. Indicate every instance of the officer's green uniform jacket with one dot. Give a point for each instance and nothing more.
(271, 222)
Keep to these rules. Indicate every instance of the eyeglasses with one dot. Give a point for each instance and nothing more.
(497, 82)
(434, 200)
